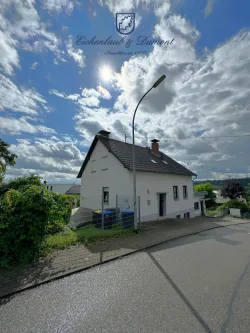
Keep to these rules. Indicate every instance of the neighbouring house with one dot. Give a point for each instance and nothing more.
(200, 203)
(63, 188)
(221, 200)
(164, 186)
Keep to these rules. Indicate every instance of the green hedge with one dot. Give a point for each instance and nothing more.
(235, 204)
(27, 216)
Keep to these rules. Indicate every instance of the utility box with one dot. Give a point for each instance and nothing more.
(235, 212)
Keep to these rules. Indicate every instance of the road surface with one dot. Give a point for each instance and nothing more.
(199, 283)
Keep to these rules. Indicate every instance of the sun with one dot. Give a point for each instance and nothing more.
(106, 73)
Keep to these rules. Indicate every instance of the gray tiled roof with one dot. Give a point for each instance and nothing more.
(75, 189)
(143, 158)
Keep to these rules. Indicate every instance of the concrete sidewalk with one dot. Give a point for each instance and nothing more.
(77, 258)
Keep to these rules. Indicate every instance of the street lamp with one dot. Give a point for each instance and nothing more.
(156, 84)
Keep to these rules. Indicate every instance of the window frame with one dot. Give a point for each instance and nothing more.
(105, 192)
(184, 188)
(176, 194)
(196, 206)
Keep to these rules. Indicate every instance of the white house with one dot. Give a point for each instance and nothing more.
(200, 203)
(220, 199)
(164, 186)
(63, 188)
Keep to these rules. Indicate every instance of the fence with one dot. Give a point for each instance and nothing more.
(106, 214)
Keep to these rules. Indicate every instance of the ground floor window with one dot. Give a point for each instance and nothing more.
(106, 195)
(178, 216)
(186, 215)
(196, 206)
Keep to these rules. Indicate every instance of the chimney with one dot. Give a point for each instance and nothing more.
(155, 146)
(104, 133)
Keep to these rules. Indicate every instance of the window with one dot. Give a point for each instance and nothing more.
(185, 194)
(153, 161)
(196, 205)
(93, 166)
(164, 162)
(186, 215)
(175, 191)
(47, 187)
(104, 163)
(51, 188)
(106, 195)
(178, 216)
(149, 202)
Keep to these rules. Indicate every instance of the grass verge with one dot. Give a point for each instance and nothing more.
(84, 235)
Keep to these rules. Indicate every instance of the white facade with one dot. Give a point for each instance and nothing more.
(199, 203)
(59, 188)
(103, 170)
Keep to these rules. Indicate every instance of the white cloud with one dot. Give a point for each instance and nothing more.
(104, 92)
(21, 28)
(19, 99)
(34, 66)
(17, 126)
(48, 158)
(76, 54)
(59, 5)
(209, 7)
(8, 54)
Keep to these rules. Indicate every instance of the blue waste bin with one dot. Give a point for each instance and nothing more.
(108, 219)
(127, 219)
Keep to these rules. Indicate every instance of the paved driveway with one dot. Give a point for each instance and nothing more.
(199, 283)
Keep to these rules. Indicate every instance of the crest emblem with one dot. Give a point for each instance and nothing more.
(125, 23)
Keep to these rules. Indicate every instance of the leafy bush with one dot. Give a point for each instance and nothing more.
(24, 222)
(235, 204)
(60, 212)
(20, 183)
(27, 216)
(71, 199)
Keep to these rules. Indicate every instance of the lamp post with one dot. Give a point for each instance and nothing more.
(156, 84)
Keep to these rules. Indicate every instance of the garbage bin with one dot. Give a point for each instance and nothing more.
(127, 219)
(108, 219)
(115, 214)
(97, 218)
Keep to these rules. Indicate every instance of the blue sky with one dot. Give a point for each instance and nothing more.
(56, 95)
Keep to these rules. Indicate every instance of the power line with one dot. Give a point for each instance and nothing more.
(210, 137)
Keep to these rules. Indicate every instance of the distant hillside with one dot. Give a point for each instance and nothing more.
(218, 183)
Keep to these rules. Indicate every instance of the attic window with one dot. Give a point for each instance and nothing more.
(164, 162)
(153, 161)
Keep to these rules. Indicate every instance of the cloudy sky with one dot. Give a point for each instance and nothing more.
(57, 89)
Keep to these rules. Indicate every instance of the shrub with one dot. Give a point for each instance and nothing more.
(72, 198)
(235, 204)
(24, 222)
(60, 212)
(27, 217)
(19, 183)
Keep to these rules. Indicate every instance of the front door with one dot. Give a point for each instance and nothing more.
(162, 204)
(202, 207)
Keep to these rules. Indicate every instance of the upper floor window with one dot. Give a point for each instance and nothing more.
(185, 194)
(175, 192)
(106, 195)
(93, 166)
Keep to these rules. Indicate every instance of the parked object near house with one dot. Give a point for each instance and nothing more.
(164, 186)
(221, 200)
(200, 203)
(64, 188)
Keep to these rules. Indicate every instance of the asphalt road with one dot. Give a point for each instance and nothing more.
(199, 283)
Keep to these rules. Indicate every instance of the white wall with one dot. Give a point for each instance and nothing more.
(94, 178)
(198, 211)
(59, 188)
(120, 182)
(163, 183)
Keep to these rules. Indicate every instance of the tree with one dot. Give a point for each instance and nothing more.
(233, 191)
(6, 158)
(208, 188)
